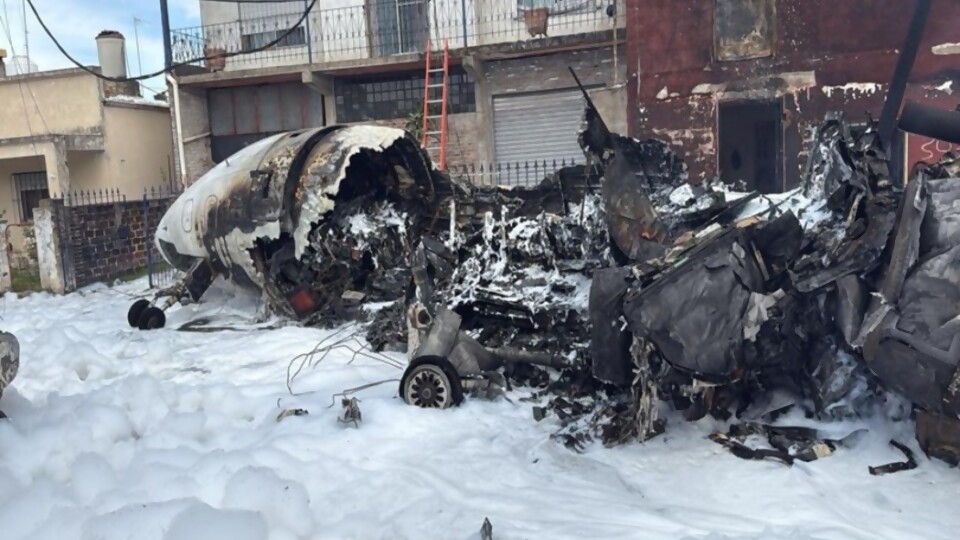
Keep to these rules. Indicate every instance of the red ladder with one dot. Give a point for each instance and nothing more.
(434, 121)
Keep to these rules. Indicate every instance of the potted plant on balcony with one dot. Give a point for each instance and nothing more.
(215, 56)
(536, 19)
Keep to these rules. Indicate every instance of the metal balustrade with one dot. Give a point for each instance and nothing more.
(380, 29)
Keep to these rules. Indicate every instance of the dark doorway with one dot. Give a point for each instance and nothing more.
(750, 144)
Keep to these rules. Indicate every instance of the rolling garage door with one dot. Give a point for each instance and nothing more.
(541, 126)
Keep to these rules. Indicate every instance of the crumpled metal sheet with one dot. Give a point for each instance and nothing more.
(610, 339)
(694, 315)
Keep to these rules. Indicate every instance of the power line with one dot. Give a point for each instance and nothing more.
(6, 29)
(176, 64)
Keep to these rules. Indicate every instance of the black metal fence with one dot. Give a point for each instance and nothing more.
(159, 272)
(519, 173)
(382, 28)
(108, 234)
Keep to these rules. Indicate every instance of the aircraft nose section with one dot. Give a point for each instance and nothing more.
(173, 240)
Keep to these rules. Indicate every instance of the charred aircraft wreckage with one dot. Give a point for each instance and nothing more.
(609, 287)
(634, 286)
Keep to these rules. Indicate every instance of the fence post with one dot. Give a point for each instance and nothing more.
(463, 20)
(146, 241)
(306, 22)
(6, 279)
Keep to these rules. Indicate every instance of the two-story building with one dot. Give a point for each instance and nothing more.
(66, 130)
(736, 85)
(511, 96)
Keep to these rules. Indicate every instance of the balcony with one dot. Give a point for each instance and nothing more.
(358, 30)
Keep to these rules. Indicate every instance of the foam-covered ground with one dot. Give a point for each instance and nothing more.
(170, 435)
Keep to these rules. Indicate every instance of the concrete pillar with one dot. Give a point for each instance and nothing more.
(58, 175)
(323, 85)
(49, 256)
(474, 66)
(6, 278)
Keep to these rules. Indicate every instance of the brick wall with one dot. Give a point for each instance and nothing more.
(463, 132)
(100, 242)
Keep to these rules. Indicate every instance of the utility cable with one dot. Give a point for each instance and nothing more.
(175, 64)
(6, 28)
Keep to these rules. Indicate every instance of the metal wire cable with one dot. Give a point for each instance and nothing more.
(176, 64)
(343, 338)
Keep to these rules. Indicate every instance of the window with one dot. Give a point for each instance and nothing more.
(260, 39)
(396, 96)
(31, 188)
(400, 26)
(744, 29)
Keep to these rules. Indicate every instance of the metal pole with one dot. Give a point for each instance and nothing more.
(898, 85)
(463, 20)
(148, 244)
(136, 36)
(306, 21)
(165, 28)
(26, 35)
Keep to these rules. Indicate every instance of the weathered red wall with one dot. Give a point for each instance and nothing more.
(670, 46)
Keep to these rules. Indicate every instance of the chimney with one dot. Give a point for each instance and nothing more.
(111, 51)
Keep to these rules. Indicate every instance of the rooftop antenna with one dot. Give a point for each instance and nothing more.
(136, 37)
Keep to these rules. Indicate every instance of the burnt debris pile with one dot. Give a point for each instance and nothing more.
(617, 286)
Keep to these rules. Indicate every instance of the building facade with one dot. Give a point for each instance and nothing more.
(68, 131)
(511, 96)
(736, 85)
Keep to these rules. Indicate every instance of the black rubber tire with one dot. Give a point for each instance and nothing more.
(135, 311)
(152, 318)
(456, 388)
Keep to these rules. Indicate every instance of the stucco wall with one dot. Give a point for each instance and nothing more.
(61, 102)
(8, 167)
(195, 123)
(139, 150)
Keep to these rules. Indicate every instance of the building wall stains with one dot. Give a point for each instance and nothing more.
(686, 58)
(744, 29)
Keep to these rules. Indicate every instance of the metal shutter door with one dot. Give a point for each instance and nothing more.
(538, 127)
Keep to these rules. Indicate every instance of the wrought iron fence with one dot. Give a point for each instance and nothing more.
(156, 201)
(518, 173)
(383, 28)
(106, 234)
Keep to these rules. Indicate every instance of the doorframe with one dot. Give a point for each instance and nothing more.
(780, 161)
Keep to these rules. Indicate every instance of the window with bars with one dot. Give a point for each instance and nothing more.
(396, 96)
(31, 188)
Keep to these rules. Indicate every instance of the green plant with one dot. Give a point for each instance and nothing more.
(414, 124)
(25, 280)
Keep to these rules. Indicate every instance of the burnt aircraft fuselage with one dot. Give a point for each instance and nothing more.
(251, 218)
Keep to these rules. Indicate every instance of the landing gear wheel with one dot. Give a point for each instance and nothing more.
(152, 318)
(431, 382)
(136, 310)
